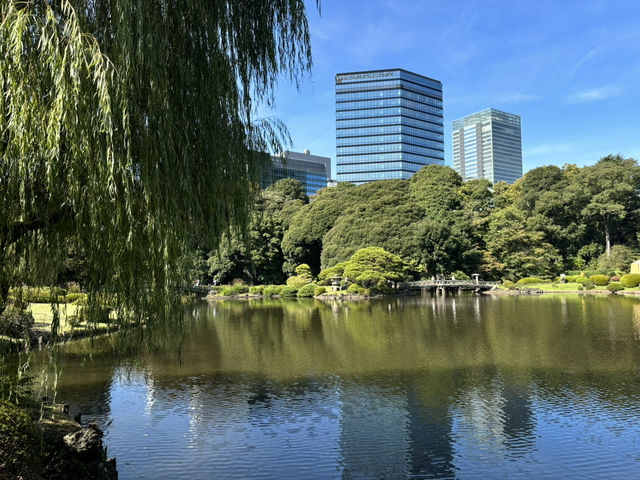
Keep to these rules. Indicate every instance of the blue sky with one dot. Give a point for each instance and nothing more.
(570, 69)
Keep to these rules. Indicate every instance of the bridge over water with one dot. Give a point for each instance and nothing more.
(451, 285)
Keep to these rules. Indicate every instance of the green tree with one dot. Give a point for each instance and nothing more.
(127, 130)
(514, 251)
(611, 188)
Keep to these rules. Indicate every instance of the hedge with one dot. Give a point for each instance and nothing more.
(630, 280)
(614, 287)
(289, 291)
(526, 280)
(307, 290)
(600, 280)
(585, 282)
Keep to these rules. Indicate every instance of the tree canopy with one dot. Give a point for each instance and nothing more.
(127, 129)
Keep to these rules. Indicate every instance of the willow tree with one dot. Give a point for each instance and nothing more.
(127, 128)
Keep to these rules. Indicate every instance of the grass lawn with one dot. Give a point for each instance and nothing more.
(43, 316)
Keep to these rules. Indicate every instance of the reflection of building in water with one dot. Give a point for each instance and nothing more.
(373, 432)
(498, 415)
(397, 431)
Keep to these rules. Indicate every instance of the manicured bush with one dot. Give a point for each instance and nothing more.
(298, 281)
(303, 270)
(630, 280)
(75, 297)
(272, 290)
(319, 291)
(614, 287)
(585, 283)
(257, 289)
(527, 280)
(289, 291)
(354, 288)
(600, 280)
(39, 294)
(571, 278)
(509, 284)
(307, 290)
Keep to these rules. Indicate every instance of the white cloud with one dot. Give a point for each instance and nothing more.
(594, 94)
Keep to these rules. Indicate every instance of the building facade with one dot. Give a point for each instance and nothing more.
(388, 125)
(313, 171)
(488, 144)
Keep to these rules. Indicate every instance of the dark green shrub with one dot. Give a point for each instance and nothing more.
(460, 275)
(527, 280)
(600, 280)
(585, 283)
(614, 287)
(20, 444)
(307, 290)
(630, 280)
(509, 284)
(289, 291)
(319, 291)
(15, 323)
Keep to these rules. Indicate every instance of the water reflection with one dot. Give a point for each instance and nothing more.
(424, 387)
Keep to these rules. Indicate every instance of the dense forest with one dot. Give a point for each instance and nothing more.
(550, 221)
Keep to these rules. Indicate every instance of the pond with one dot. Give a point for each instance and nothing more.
(416, 387)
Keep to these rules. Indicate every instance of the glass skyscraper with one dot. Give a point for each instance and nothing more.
(313, 171)
(388, 125)
(488, 144)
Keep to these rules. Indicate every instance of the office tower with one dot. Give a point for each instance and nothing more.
(488, 145)
(313, 171)
(388, 125)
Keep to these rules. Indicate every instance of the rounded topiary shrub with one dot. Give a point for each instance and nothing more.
(509, 284)
(307, 290)
(289, 291)
(527, 280)
(319, 291)
(614, 287)
(571, 278)
(354, 288)
(585, 282)
(630, 280)
(600, 280)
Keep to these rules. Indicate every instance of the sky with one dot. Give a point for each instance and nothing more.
(570, 69)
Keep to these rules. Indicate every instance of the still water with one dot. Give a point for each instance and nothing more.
(421, 387)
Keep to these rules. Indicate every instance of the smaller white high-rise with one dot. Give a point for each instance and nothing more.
(488, 144)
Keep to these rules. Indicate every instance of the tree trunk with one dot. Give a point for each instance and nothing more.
(607, 238)
(4, 293)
